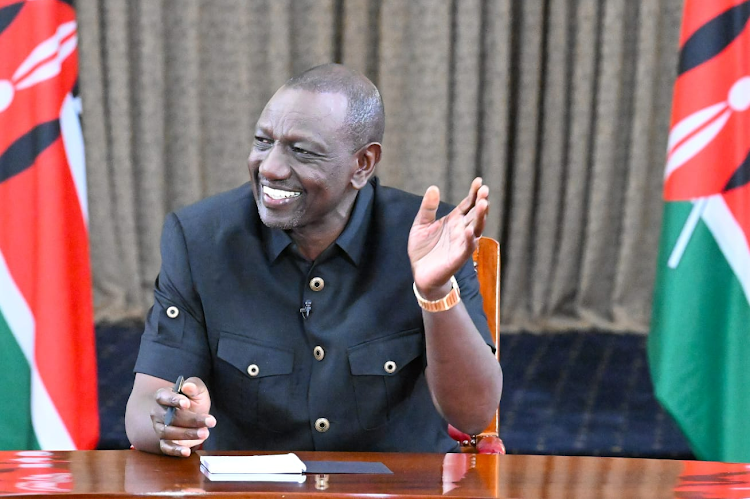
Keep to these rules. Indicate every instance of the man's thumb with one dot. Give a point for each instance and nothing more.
(428, 209)
(195, 388)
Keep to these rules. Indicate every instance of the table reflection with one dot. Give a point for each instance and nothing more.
(39, 472)
(145, 474)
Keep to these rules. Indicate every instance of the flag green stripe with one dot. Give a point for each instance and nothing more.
(16, 430)
(700, 343)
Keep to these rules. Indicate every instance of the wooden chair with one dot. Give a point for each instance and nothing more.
(487, 265)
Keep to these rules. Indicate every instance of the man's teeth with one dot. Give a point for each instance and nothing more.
(278, 193)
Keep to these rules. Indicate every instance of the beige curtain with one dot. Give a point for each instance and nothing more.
(561, 105)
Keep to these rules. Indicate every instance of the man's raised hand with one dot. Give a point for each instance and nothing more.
(439, 247)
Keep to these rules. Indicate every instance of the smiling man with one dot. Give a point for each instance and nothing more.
(313, 308)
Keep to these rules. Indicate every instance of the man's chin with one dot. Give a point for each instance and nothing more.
(275, 220)
(281, 223)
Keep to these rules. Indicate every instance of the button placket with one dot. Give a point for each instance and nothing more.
(315, 289)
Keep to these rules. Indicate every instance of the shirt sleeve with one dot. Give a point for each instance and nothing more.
(174, 341)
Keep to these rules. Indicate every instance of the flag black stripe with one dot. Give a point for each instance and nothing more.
(713, 37)
(741, 175)
(23, 152)
(8, 13)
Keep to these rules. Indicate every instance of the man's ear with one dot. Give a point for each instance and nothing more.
(367, 158)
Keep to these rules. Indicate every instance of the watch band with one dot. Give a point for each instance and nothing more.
(445, 303)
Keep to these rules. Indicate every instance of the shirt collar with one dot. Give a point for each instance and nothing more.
(351, 240)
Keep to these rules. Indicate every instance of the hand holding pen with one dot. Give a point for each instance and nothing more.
(169, 416)
(185, 422)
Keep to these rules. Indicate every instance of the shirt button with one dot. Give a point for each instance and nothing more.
(253, 370)
(173, 312)
(322, 425)
(319, 353)
(317, 283)
(390, 367)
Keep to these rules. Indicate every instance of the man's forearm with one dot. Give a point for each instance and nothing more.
(138, 425)
(463, 374)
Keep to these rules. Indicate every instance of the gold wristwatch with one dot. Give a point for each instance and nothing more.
(445, 303)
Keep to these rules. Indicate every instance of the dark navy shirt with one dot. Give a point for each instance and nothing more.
(345, 374)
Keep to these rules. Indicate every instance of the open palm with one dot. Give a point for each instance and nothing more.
(439, 247)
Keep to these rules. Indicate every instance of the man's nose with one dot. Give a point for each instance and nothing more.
(275, 165)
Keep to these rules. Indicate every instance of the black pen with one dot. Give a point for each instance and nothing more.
(170, 410)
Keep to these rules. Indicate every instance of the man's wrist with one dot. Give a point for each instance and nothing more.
(446, 301)
(434, 292)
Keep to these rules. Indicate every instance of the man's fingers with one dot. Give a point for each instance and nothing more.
(179, 448)
(482, 208)
(428, 209)
(188, 419)
(168, 398)
(469, 201)
(171, 448)
(483, 192)
(181, 433)
(476, 216)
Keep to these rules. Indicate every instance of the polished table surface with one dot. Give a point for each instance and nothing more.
(127, 473)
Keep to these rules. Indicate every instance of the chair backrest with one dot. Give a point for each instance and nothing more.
(487, 265)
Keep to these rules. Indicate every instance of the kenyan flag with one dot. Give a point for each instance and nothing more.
(699, 346)
(47, 355)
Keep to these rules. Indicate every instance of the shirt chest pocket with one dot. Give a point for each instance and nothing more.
(260, 376)
(384, 373)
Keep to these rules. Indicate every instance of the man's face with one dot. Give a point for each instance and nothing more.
(301, 165)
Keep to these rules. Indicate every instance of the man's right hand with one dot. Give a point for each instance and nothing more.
(189, 427)
(191, 422)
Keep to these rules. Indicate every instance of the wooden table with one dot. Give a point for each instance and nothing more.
(125, 473)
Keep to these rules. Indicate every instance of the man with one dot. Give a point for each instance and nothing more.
(290, 301)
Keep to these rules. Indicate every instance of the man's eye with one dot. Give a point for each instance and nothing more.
(263, 142)
(298, 150)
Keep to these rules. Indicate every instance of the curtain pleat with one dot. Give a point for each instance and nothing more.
(148, 108)
(562, 106)
(182, 143)
(463, 103)
(571, 245)
(552, 157)
(494, 110)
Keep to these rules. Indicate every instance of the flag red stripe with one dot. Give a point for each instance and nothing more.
(44, 241)
(54, 55)
(710, 169)
(738, 201)
(36, 22)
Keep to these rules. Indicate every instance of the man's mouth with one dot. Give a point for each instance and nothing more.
(278, 194)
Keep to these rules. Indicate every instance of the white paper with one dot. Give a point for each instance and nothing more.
(271, 464)
(254, 477)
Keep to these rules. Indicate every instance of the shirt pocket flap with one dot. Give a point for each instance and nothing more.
(386, 356)
(255, 360)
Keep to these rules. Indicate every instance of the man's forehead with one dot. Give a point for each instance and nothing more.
(304, 104)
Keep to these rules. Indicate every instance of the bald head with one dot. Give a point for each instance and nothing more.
(365, 118)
